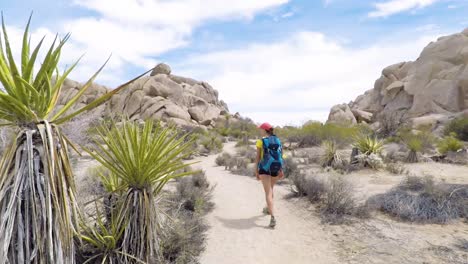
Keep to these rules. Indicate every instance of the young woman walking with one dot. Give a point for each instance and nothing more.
(269, 166)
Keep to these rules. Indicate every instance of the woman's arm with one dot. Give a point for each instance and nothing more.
(259, 153)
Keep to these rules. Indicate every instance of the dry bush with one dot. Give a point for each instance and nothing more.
(290, 167)
(423, 201)
(396, 168)
(183, 239)
(194, 193)
(390, 122)
(339, 199)
(334, 197)
(183, 234)
(223, 159)
(462, 244)
(311, 187)
(248, 153)
(78, 129)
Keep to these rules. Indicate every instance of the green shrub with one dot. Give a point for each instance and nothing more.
(314, 133)
(458, 126)
(212, 143)
(449, 143)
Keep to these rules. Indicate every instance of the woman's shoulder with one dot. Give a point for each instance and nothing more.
(259, 143)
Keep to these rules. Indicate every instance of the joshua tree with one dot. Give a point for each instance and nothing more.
(38, 210)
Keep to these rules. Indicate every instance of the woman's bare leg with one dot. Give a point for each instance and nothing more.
(267, 187)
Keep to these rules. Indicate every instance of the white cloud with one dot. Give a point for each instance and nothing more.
(137, 32)
(177, 12)
(391, 7)
(299, 77)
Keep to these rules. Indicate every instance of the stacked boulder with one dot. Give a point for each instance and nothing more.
(160, 96)
(429, 91)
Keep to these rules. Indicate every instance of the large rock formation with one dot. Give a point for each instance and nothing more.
(160, 96)
(428, 91)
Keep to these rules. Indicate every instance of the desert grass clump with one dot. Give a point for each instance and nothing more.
(37, 190)
(143, 158)
(459, 126)
(424, 201)
(449, 144)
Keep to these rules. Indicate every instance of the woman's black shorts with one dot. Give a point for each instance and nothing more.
(263, 172)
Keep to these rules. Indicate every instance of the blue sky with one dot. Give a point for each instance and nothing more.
(284, 61)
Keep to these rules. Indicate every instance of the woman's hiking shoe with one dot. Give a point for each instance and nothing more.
(265, 211)
(272, 222)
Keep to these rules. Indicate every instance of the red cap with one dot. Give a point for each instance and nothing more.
(265, 126)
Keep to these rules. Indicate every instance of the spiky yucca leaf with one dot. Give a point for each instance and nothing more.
(37, 194)
(144, 158)
(331, 155)
(368, 145)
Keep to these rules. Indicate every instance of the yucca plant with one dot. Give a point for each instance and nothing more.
(37, 192)
(368, 145)
(331, 156)
(143, 158)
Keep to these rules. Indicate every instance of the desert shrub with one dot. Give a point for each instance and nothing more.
(390, 122)
(449, 143)
(415, 183)
(462, 244)
(331, 155)
(311, 187)
(212, 143)
(241, 128)
(458, 126)
(248, 153)
(372, 161)
(223, 159)
(244, 171)
(333, 196)
(183, 234)
(368, 145)
(396, 168)
(415, 141)
(338, 198)
(422, 200)
(314, 133)
(194, 193)
(183, 238)
(290, 167)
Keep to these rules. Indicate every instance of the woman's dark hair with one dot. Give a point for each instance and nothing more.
(270, 131)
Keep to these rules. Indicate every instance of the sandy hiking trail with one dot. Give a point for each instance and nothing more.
(238, 230)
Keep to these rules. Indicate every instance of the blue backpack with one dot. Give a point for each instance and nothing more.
(272, 155)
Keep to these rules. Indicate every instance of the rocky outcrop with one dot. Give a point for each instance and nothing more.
(160, 96)
(341, 114)
(430, 90)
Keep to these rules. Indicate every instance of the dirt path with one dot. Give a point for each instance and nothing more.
(238, 230)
